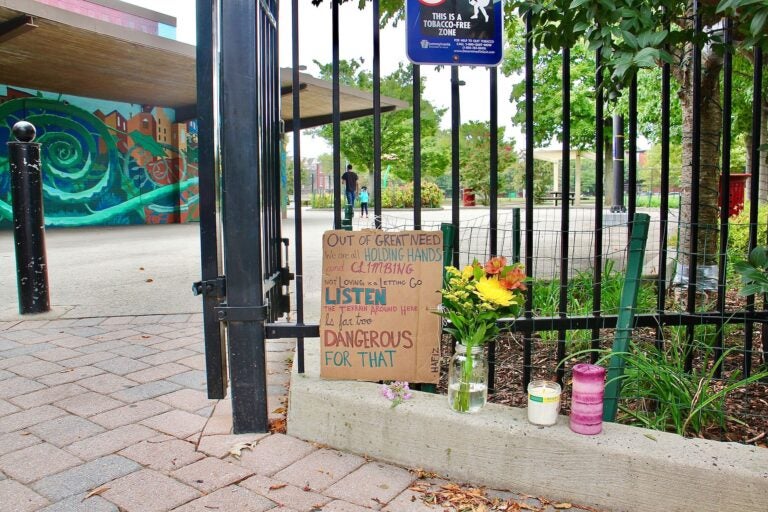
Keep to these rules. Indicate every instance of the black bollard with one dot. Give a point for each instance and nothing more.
(28, 221)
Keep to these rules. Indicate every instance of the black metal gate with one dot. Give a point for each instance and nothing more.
(244, 278)
(239, 114)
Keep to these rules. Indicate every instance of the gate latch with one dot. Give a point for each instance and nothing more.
(211, 287)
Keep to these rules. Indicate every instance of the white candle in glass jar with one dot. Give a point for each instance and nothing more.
(543, 402)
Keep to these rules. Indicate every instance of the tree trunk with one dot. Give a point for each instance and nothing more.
(708, 184)
(608, 164)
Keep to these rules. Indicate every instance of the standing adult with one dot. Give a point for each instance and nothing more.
(350, 181)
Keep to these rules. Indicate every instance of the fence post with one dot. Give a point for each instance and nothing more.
(346, 222)
(28, 222)
(624, 323)
(449, 233)
(516, 235)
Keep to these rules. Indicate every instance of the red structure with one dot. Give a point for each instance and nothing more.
(469, 197)
(736, 187)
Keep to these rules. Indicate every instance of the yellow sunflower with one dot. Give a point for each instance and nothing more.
(491, 290)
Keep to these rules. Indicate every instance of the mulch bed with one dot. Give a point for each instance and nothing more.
(746, 409)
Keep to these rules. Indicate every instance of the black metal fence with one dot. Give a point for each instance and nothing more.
(686, 295)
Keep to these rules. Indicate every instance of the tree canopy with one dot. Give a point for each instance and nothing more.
(474, 156)
(396, 127)
(633, 34)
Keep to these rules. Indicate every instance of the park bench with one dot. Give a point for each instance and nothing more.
(556, 197)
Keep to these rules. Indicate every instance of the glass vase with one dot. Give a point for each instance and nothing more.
(468, 379)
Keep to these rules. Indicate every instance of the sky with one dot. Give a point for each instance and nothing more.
(356, 42)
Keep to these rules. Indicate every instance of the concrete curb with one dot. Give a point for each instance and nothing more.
(624, 468)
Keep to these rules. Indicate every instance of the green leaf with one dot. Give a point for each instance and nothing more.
(750, 289)
(725, 4)
(736, 4)
(577, 3)
(751, 274)
(581, 26)
(629, 38)
(646, 58)
(758, 22)
(659, 37)
(759, 257)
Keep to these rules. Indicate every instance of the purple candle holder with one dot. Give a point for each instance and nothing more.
(587, 399)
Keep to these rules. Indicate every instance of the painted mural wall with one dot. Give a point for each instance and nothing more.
(104, 163)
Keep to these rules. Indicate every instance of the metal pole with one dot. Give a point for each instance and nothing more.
(336, 116)
(661, 282)
(416, 147)
(243, 164)
(618, 164)
(632, 153)
(528, 341)
(455, 127)
(376, 116)
(693, 248)
(211, 286)
(625, 321)
(28, 221)
(597, 287)
(299, 254)
(725, 184)
(565, 214)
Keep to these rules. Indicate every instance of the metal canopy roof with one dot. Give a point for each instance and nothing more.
(50, 49)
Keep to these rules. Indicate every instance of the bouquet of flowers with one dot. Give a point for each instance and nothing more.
(474, 299)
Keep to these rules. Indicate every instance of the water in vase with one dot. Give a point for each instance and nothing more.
(478, 395)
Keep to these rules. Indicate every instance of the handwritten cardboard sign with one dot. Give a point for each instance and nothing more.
(379, 293)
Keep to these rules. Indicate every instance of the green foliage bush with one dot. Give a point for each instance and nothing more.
(671, 398)
(322, 201)
(402, 196)
(546, 298)
(738, 232)
(738, 239)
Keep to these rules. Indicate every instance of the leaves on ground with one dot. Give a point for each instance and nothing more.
(275, 487)
(421, 474)
(96, 492)
(278, 426)
(237, 450)
(460, 498)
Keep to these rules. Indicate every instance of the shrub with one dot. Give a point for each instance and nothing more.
(738, 238)
(402, 196)
(322, 201)
(738, 232)
(659, 393)
(672, 399)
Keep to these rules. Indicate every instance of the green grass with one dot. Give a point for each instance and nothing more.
(546, 299)
(654, 201)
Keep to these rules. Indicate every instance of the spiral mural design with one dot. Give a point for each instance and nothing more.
(95, 173)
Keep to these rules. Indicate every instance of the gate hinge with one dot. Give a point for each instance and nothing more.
(211, 287)
(286, 276)
(226, 313)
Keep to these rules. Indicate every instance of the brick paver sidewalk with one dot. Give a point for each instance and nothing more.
(110, 414)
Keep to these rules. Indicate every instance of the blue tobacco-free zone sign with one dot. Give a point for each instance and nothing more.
(454, 32)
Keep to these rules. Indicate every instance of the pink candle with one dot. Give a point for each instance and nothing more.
(587, 399)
